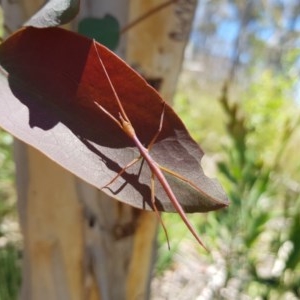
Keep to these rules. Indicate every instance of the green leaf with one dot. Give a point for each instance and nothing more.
(105, 31)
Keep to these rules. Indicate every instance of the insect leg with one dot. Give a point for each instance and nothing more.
(156, 210)
(159, 128)
(122, 171)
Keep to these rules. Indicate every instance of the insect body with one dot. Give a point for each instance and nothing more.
(156, 170)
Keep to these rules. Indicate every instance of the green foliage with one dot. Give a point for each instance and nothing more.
(258, 234)
(176, 234)
(165, 258)
(10, 273)
(9, 264)
(105, 31)
(200, 112)
(260, 223)
(7, 191)
(269, 109)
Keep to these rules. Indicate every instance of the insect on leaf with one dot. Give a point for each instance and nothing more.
(50, 80)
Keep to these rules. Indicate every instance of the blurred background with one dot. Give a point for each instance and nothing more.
(239, 96)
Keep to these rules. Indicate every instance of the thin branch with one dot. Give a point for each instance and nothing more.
(147, 15)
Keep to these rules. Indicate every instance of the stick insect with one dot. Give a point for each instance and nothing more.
(156, 170)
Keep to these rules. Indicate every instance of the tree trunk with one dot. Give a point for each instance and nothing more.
(78, 242)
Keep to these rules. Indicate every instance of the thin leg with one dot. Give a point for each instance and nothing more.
(156, 210)
(159, 128)
(108, 114)
(124, 115)
(122, 171)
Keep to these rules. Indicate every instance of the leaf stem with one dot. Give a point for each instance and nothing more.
(147, 15)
